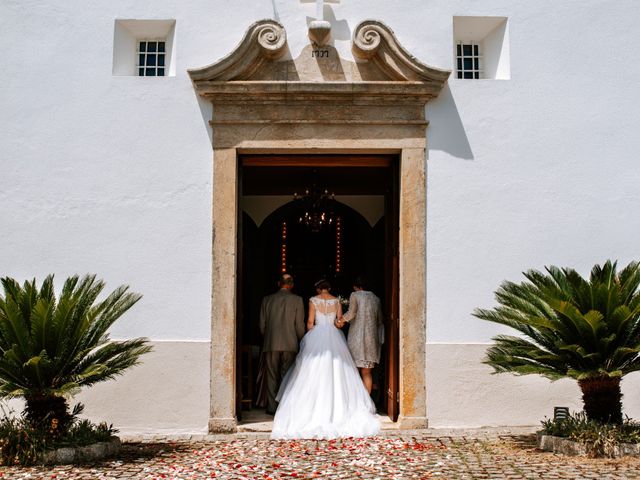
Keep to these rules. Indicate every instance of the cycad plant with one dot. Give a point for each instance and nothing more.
(588, 330)
(51, 347)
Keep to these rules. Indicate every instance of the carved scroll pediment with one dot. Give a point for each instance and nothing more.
(382, 69)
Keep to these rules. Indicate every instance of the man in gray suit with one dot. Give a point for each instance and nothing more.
(282, 324)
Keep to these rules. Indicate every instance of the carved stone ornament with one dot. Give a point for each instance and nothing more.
(374, 41)
(265, 40)
(319, 31)
(256, 72)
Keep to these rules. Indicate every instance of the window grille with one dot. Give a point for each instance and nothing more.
(151, 58)
(469, 60)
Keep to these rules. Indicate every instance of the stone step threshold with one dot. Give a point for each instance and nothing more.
(259, 421)
(249, 430)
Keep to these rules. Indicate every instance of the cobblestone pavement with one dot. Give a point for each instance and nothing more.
(385, 457)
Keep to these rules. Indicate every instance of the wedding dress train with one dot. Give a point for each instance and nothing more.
(322, 395)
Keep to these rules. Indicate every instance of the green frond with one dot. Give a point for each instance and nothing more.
(570, 326)
(54, 346)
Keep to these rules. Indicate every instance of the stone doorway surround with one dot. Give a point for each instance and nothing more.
(265, 102)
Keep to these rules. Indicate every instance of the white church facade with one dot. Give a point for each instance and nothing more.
(192, 150)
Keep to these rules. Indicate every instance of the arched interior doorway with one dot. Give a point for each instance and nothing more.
(355, 242)
(311, 255)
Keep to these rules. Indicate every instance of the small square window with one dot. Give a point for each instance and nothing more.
(144, 47)
(151, 58)
(481, 47)
(469, 60)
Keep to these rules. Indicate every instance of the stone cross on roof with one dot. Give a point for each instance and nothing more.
(319, 29)
(320, 7)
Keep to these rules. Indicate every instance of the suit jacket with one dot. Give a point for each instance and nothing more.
(282, 321)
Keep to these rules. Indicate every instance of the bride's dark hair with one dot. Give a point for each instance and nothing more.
(323, 284)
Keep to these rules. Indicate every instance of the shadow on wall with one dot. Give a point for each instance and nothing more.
(206, 110)
(276, 16)
(446, 132)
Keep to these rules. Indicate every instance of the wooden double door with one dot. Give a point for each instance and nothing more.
(370, 249)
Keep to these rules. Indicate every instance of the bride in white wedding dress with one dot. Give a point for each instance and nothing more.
(322, 395)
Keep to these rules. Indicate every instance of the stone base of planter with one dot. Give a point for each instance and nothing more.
(565, 446)
(88, 453)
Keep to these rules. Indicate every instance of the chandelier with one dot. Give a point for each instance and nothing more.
(316, 207)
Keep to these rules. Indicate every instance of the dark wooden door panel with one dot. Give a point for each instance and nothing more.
(239, 303)
(392, 296)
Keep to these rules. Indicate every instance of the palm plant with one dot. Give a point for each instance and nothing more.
(51, 347)
(588, 330)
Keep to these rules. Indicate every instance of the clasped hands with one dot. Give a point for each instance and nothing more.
(339, 323)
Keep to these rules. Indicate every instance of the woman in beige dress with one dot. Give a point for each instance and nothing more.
(365, 318)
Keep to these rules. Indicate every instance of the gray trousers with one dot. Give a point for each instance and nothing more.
(277, 364)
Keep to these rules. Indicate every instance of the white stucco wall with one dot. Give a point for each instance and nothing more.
(112, 174)
(536, 170)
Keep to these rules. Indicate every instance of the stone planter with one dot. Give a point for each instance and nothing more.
(87, 453)
(565, 446)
